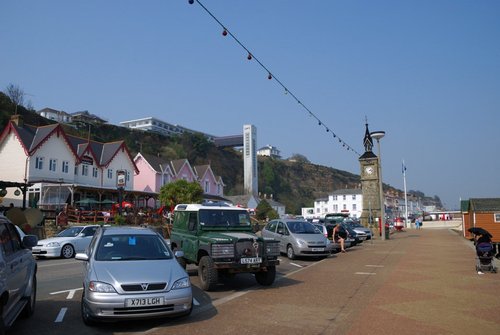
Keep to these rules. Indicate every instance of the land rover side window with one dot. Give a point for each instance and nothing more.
(181, 219)
(192, 221)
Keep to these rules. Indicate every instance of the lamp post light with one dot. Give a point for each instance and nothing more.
(378, 135)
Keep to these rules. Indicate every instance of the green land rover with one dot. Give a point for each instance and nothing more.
(219, 239)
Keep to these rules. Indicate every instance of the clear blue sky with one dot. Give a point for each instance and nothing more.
(427, 72)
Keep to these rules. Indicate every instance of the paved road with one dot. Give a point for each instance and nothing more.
(419, 282)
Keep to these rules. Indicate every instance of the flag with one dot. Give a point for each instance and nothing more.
(403, 168)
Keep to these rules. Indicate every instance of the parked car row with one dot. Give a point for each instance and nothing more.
(159, 285)
(298, 237)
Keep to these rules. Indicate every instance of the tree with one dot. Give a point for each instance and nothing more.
(16, 94)
(181, 192)
(264, 211)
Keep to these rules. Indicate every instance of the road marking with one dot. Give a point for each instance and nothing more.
(365, 273)
(71, 293)
(374, 266)
(297, 265)
(195, 302)
(61, 314)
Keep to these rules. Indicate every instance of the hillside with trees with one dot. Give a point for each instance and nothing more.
(294, 182)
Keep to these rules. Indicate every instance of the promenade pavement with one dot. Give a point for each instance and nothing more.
(417, 282)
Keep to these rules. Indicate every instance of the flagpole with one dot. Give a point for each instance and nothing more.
(406, 195)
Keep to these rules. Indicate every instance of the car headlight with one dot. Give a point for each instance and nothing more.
(301, 243)
(97, 286)
(181, 283)
(53, 244)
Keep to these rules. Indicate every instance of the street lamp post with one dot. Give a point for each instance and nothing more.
(378, 135)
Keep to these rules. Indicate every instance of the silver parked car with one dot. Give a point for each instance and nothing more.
(297, 238)
(131, 273)
(17, 274)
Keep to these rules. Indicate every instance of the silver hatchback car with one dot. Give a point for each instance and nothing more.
(131, 273)
(297, 238)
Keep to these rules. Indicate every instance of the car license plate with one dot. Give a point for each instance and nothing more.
(35, 250)
(140, 302)
(251, 260)
(318, 249)
(362, 238)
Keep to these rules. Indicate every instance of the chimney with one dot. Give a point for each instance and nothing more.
(17, 120)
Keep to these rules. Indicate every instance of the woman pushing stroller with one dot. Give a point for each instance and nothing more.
(484, 250)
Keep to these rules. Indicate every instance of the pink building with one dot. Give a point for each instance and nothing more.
(154, 172)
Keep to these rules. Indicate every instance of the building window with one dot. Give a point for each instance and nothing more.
(39, 163)
(94, 172)
(52, 164)
(354, 197)
(497, 217)
(344, 207)
(354, 207)
(110, 173)
(334, 198)
(335, 208)
(343, 197)
(207, 186)
(85, 170)
(127, 175)
(65, 166)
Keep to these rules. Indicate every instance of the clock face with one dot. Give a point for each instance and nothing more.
(369, 170)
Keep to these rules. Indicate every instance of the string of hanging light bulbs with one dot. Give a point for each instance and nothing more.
(271, 76)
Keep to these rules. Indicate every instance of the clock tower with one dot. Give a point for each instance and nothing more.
(369, 183)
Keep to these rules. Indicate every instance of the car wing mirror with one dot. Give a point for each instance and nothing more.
(29, 241)
(82, 257)
(280, 231)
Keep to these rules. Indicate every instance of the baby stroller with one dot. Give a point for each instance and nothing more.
(485, 251)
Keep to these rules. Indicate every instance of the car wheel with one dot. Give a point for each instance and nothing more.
(207, 273)
(290, 253)
(266, 278)
(29, 309)
(86, 317)
(67, 251)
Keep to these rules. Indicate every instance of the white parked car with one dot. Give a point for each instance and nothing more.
(67, 243)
